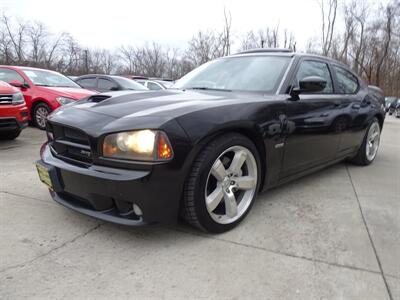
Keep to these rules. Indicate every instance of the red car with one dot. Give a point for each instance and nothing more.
(43, 90)
(13, 112)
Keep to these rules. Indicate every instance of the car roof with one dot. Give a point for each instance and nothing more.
(287, 53)
(100, 75)
(281, 52)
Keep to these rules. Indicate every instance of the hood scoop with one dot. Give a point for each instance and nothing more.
(98, 98)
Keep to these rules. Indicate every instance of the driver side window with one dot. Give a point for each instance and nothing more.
(315, 68)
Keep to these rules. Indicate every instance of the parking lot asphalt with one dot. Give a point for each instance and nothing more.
(331, 235)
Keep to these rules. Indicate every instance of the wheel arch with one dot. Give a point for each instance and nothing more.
(36, 102)
(380, 119)
(246, 130)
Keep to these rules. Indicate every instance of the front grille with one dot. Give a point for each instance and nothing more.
(5, 99)
(70, 144)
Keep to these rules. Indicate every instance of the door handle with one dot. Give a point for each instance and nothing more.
(356, 106)
(284, 121)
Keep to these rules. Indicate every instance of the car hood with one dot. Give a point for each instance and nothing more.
(148, 109)
(166, 103)
(74, 93)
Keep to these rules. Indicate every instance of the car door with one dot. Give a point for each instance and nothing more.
(313, 127)
(356, 105)
(106, 85)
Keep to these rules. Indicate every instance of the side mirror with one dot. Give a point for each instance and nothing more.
(19, 84)
(310, 84)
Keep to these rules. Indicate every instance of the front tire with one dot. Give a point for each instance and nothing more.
(222, 184)
(369, 148)
(40, 113)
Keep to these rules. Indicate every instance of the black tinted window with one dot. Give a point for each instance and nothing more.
(8, 75)
(315, 68)
(89, 83)
(105, 84)
(347, 82)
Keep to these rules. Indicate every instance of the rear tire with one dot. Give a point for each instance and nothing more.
(40, 113)
(370, 145)
(11, 135)
(223, 183)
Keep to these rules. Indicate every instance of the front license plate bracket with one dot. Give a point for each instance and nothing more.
(48, 175)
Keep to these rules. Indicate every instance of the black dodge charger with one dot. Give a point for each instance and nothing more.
(203, 150)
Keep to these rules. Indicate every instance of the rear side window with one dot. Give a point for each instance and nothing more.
(105, 84)
(315, 68)
(8, 75)
(347, 82)
(88, 83)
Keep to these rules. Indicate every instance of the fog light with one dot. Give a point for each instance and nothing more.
(137, 210)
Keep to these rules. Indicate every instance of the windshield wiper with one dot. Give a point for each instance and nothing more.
(42, 85)
(203, 88)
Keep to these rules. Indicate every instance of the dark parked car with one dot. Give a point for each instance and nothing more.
(73, 78)
(229, 129)
(391, 103)
(106, 83)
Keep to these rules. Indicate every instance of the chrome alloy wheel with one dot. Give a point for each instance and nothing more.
(41, 115)
(373, 138)
(231, 185)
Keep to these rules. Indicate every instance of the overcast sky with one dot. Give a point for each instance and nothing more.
(110, 24)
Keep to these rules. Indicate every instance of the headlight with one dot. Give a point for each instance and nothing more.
(145, 145)
(64, 100)
(18, 98)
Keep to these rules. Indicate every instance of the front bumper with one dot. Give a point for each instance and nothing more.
(109, 193)
(12, 124)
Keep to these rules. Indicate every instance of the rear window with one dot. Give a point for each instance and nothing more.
(347, 82)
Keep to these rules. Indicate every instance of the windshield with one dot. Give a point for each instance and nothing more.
(242, 73)
(129, 84)
(49, 78)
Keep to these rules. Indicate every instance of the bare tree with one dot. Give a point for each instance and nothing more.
(268, 38)
(226, 34)
(328, 23)
(369, 41)
(16, 37)
(204, 46)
